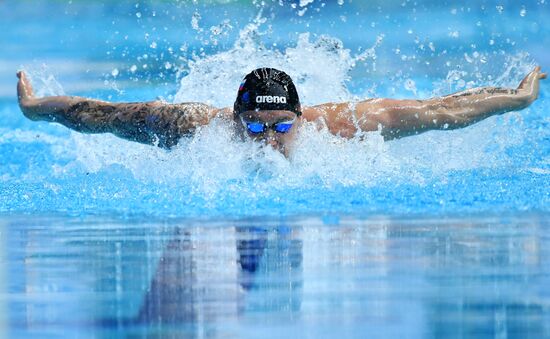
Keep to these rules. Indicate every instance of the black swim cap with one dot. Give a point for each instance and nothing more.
(267, 89)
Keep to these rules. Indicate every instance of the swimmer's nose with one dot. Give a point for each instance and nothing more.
(270, 139)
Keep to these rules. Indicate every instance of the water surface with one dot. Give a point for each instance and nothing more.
(300, 277)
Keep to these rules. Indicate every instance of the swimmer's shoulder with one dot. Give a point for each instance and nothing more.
(340, 110)
(327, 110)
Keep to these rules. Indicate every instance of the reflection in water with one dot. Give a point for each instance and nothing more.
(199, 279)
(304, 278)
(491, 289)
(270, 261)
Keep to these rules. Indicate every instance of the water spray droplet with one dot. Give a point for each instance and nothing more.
(410, 85)
(195, 21)
(454, 34)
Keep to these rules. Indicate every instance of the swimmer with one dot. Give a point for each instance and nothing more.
(268, 110)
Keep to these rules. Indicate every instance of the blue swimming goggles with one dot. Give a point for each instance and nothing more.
(256, 127)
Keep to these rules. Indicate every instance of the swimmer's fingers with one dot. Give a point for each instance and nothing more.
(24, 86)
(524, 81)
(530, 78)
(22, 75)
(540, 75)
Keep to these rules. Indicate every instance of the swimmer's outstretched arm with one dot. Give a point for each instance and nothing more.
(401, 118)
(154, 123)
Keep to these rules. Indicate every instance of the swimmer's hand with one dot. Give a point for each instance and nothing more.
(529, 86)
(25, 95)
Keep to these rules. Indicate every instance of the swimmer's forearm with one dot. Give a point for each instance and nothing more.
(477, 104)
(468, 107)
(411, 117)
(67, 110)
(51, 109)
(144, 122)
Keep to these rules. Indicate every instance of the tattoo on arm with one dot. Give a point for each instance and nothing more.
(168, 123)
(485, 90)
(148, 123)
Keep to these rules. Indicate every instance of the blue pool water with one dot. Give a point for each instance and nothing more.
(378, 277)
(441, 234)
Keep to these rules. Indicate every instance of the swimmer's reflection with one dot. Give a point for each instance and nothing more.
(208, 274)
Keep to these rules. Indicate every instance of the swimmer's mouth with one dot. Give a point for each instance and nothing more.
(274, 144)
(277, 146)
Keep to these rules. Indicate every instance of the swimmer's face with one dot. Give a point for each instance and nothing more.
(277, 140)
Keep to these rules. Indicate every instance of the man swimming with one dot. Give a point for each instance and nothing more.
(268, 109)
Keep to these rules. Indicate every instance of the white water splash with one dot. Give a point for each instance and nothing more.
(319, 69)
(45, 83)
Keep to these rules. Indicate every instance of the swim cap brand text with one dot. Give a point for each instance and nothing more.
(269, 99)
